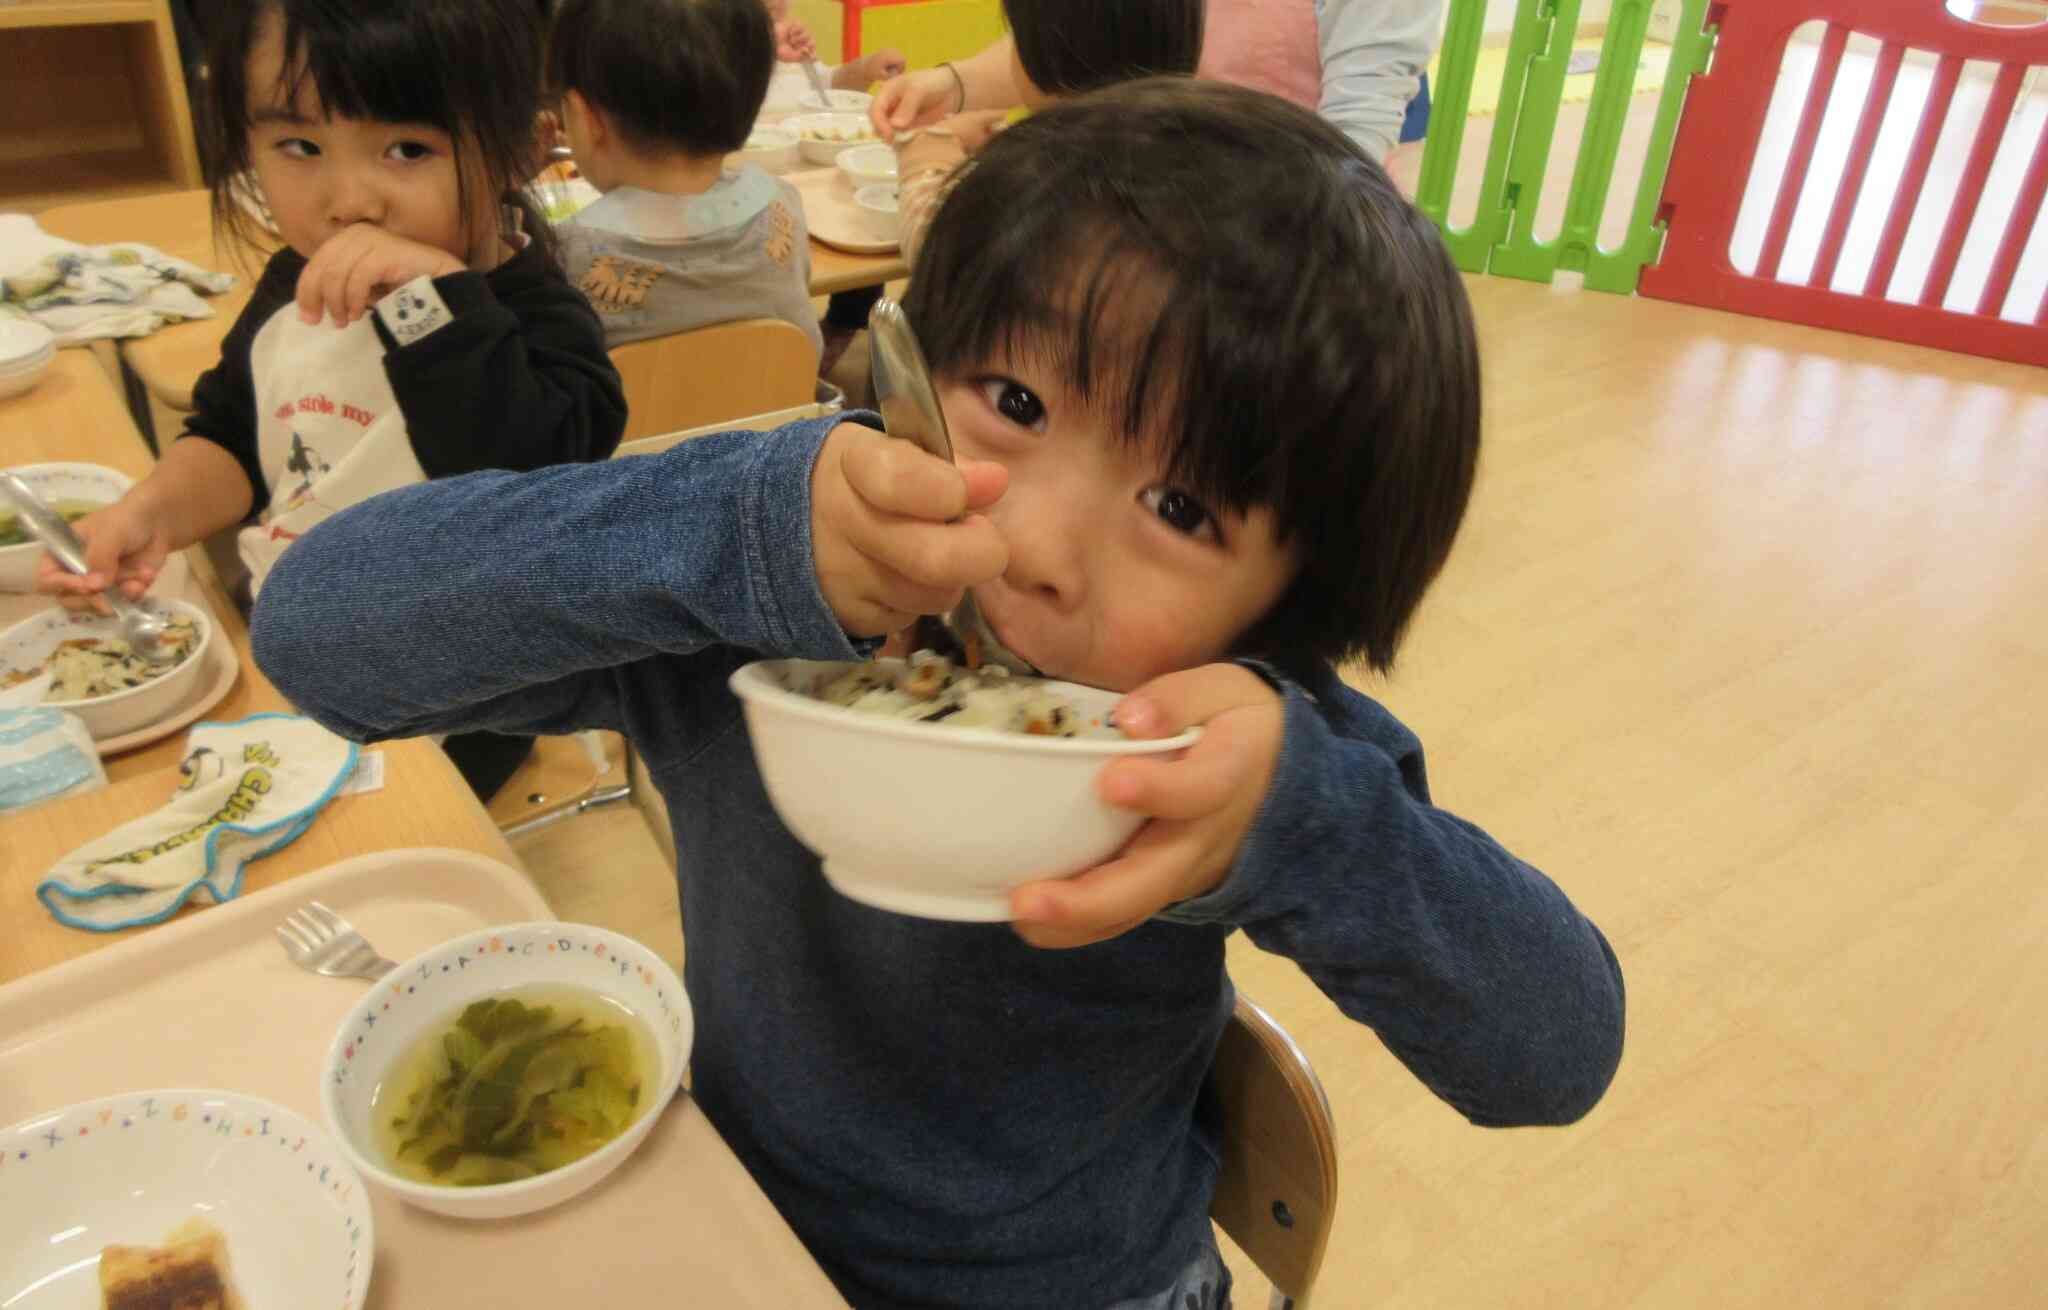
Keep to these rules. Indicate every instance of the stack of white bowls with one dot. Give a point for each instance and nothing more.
(26, 349)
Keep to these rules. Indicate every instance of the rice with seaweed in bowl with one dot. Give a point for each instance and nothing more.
(933, 689)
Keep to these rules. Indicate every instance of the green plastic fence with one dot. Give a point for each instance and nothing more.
(1501, 238)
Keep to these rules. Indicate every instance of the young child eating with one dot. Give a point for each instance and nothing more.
(654, 95)
(1213, 391)
(414, 323)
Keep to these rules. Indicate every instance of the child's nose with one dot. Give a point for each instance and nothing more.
(1048, 537)
(355, 199)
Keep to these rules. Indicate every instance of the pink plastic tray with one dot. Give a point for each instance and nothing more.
(209, 1000)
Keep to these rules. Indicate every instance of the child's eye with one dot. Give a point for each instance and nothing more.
(297, 147)
(1015, 403)
(411, 151)
(1180, 511)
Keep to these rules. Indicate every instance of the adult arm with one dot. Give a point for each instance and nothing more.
(1374, 55)
(986, 79)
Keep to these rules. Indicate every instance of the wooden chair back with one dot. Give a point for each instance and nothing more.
(1277, 1193)
(714, 374)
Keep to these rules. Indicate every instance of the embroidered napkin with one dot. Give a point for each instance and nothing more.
(45, 754)
(245, 789)
(83, 293)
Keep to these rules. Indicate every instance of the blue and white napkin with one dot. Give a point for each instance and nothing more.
(45, 754)
(245, 789)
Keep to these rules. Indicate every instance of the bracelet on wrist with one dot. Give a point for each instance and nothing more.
(959, 85)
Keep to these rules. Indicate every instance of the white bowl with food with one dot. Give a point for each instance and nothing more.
(92, 673)
(509, 1070)
(772, 149)
(27, 349)
(820, 137)
(203, 1186)
(913, 812)
(879, 211)
(869, 165)
(73, 490)
(843, 102)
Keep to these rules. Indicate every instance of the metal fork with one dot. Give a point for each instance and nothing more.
(319, 940)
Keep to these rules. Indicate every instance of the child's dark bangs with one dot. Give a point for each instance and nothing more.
(1092, 304)
(362, 68)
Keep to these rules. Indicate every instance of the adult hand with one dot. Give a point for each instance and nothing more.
(1200, 804)
(794, 43)
(360, 265)
(914, 100)
(125, 546)
(872, 67)
(894, 532)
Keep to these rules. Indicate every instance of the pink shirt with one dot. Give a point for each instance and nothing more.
(1271, 45)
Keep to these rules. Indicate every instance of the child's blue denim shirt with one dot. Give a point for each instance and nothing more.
(945, 1115)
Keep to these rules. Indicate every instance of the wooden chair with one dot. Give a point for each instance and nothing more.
(715, 375)
(564, 777)
(1277, 1193)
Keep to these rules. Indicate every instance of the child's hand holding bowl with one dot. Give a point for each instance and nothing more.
(1201, 803)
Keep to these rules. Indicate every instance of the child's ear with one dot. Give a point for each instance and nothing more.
(589, 120)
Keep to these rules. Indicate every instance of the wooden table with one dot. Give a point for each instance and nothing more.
(180, 223)
(75, 413)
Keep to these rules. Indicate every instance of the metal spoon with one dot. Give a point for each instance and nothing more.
(814, 71)
(910, 409)
(143, 630)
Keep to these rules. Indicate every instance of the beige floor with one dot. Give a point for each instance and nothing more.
(1744, 643)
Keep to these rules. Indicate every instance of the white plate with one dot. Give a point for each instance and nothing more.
(128, 1169)
(834, 218)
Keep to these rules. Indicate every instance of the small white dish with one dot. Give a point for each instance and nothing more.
(843, 102)
(771, 149)
(869, 165)
(878, 206)
(821, 137)
(931, 820)
(54, 482)
(27, 349)
(432, 987)
(28, 644)
(125, 1170)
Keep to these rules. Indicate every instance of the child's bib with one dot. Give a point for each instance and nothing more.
(329, 431)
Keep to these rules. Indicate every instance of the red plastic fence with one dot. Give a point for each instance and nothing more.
(1723, 127)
